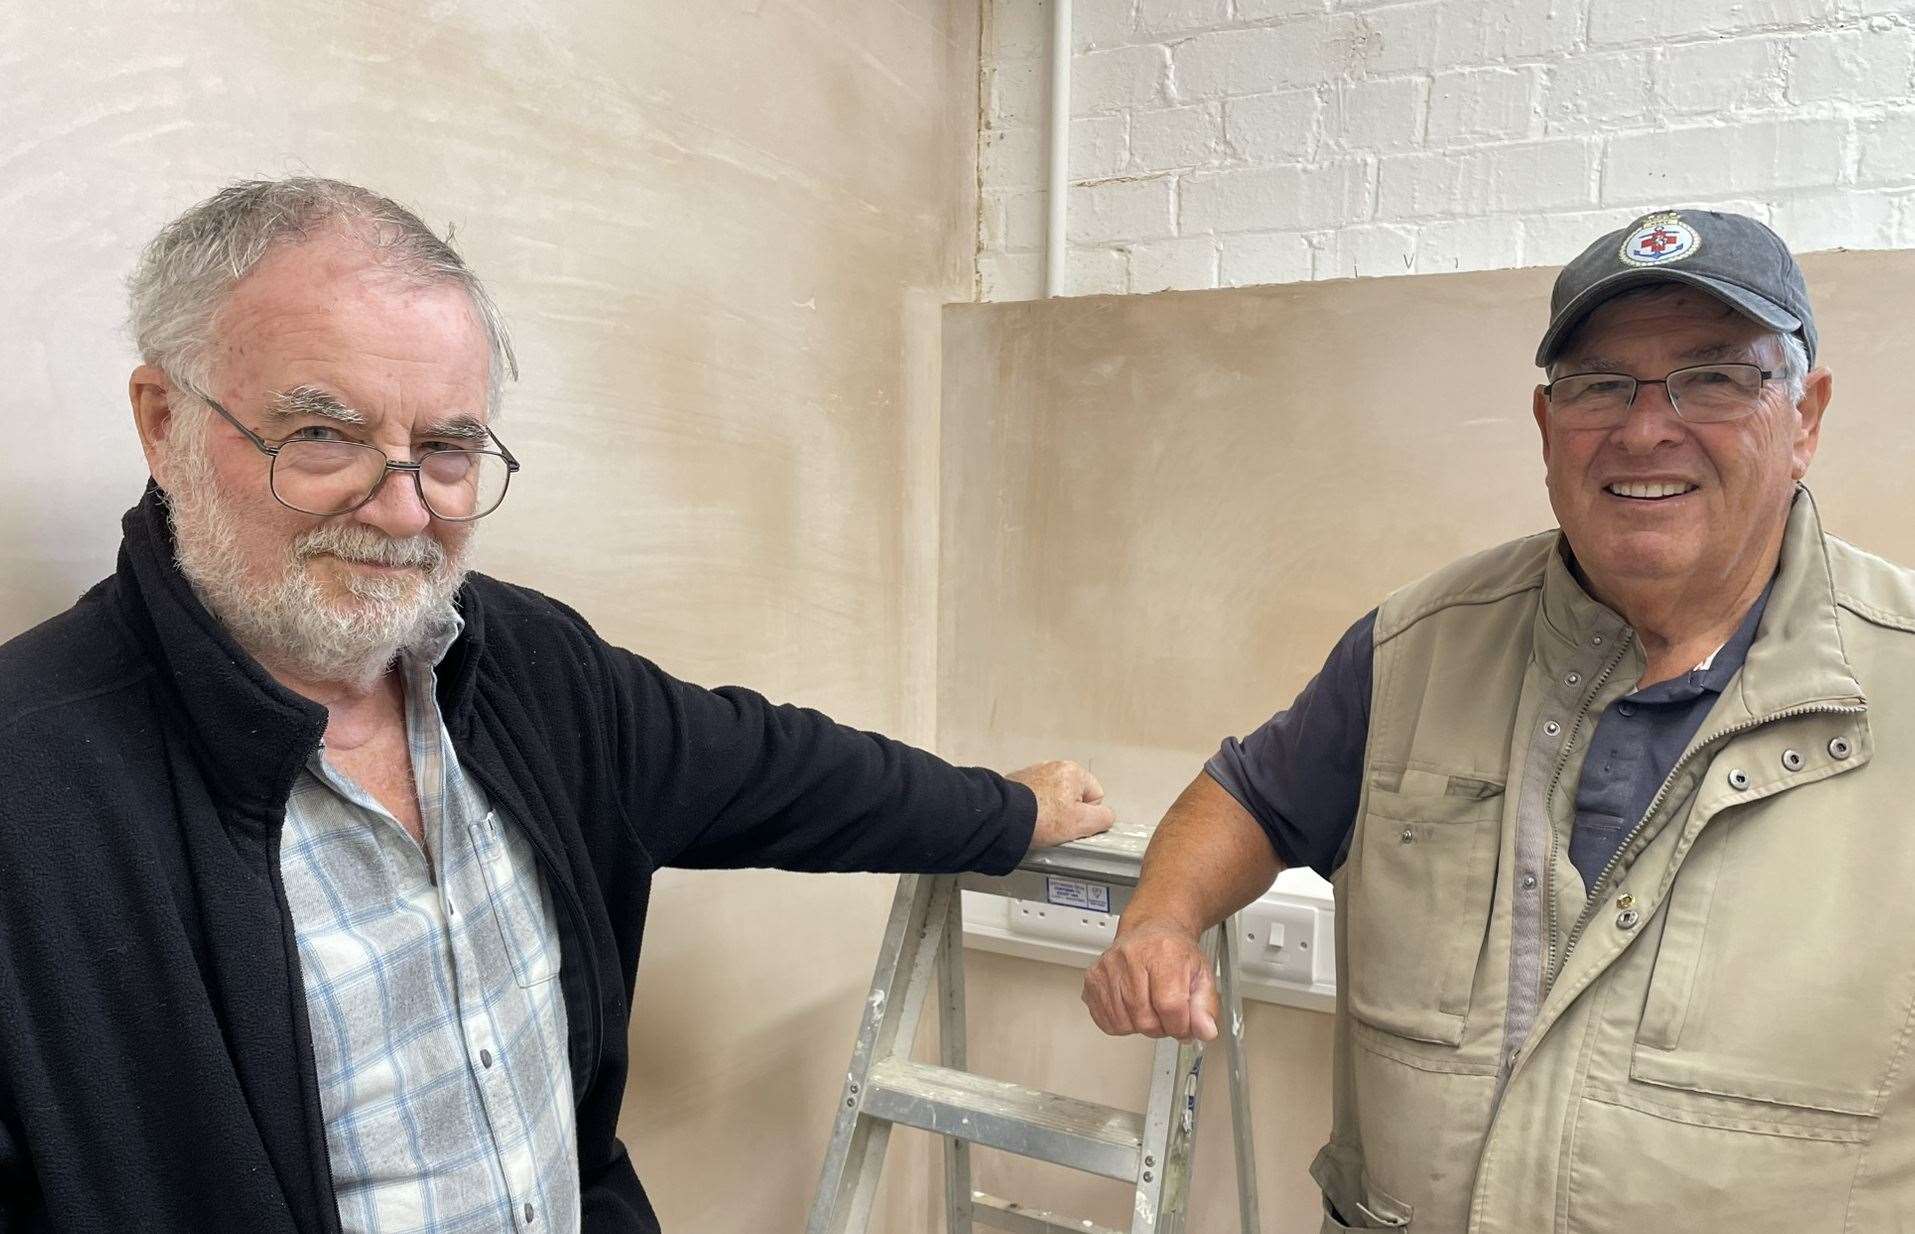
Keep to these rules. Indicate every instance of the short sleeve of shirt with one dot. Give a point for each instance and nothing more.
(1300, 774)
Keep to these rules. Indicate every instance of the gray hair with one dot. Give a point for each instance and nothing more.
(1794, 373)
(186, 273)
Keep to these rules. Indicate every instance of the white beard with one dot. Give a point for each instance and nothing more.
(291, 621)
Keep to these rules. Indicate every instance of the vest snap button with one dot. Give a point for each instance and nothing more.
(1625, 900)
(1409, 835)
(1572, 679)
(1627, 919)
(1738, 779)
(1529, 881)
(1552, 728)
(1840, 748)
(1596, 641)
(1792, 760)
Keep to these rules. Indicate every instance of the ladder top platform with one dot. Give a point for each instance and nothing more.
(1114, 856)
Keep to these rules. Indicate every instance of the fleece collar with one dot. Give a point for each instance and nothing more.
(249, 733)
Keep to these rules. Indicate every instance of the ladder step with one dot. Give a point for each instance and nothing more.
(1007, 1215)
(1027, 1121)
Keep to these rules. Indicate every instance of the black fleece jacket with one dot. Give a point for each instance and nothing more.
(156, 1072)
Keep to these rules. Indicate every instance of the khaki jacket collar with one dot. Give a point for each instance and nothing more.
(1797, 660)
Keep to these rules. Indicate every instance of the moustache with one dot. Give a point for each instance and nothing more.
(363, 544)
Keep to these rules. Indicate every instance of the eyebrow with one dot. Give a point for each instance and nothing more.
(303, 401)
(1590, 364)
(1695, 355)
(460, 427)
(1721, 351)
(309, 401)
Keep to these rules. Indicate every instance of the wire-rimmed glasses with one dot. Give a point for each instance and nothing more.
(328, 477)
(1700, 394)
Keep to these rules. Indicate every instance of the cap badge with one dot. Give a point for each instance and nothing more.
(1661, 238)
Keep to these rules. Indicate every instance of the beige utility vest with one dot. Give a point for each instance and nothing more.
(1716, 1039)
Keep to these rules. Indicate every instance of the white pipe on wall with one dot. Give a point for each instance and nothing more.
(1060, 146)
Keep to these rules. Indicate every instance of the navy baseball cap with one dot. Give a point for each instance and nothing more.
(1731, 256)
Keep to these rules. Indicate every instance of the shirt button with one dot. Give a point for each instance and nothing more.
(1625, 709)
(529, 1214)
(485, 1059)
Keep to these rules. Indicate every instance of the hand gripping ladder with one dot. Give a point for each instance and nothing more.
(885, 1088)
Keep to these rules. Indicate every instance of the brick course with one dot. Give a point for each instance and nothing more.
(1225, 142)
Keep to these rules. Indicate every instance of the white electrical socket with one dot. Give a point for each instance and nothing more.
(1300, 971)
(1035, 919)
(1280, 941)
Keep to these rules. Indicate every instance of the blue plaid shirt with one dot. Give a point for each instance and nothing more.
(432, 989)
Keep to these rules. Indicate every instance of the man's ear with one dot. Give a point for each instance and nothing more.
(1817, 388)
(1539, 406)
(152, 397)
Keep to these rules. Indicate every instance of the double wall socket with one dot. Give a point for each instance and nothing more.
(1085, 927)
(1281, 941)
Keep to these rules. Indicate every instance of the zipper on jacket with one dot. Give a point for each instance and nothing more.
(1600, 890)
(1555, 841)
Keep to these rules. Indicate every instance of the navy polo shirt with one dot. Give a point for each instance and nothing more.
(1300, 774)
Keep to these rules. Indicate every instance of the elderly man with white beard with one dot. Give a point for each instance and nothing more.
(327, 861)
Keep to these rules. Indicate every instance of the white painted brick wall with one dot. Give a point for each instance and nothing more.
(1226, 142)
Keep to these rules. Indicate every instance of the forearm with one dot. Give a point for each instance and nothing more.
(1207, 859)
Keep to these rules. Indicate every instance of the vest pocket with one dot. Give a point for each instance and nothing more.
(1745, 1021)
(1418, 901)
(1351, 1201)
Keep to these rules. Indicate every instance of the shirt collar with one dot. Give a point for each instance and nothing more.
(1713, 675)
(432, 650)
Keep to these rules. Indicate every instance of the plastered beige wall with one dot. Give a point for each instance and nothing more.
(722, 233)
(1161, 511)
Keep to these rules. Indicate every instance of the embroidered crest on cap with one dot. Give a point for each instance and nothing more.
(1661, 238)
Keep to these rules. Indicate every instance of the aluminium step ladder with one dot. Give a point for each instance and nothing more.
(1150, 1150)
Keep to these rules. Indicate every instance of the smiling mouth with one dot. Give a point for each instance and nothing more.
(1649, 490)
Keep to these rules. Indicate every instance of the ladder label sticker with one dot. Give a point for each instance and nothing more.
(1076, 893)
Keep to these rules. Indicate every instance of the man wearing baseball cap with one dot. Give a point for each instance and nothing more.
(1617, 814)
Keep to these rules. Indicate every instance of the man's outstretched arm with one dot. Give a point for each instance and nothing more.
(1208, 859)
(725, 778)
